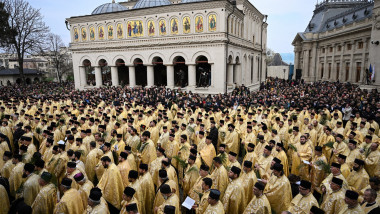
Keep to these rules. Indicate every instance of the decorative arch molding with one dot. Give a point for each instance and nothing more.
(175, 54)
(156, 54)
(100, 58)
(86, 58)
(113, 62)
(135, 56)
(200, 53)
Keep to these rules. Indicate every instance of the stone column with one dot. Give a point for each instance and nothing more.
(98, 76)
(363, 75)
(170, 75)
(230, 74)
(325, 70)
(114, 76)
(192, 75)
(150, 75)
(314, 63)
(333, 67)
(82, 73)
(296, 58)
(341, 72)
(352, 65)
(374, 48)
(132, 76)
(305, 71)
(238, 75)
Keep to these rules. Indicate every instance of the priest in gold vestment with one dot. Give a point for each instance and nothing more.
(259, 203)
(234, 196)
(71, 201)
(335, 199)
(303, 202)
(111, 184)
(15, 178)
(278, 187)
(170, 199)
(219, 176)
(352, 205)
(208, 152)
(30, 187)
(47, 197)
(147, 189)
(215, 206)
(358, 178)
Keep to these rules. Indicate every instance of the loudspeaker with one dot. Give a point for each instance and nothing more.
(298, 74)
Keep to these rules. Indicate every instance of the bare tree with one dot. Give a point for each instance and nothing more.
(56, 51)
(30, 30)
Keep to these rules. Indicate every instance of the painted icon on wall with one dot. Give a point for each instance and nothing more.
(212, 22)
(199, 24)
(76, 34)
(84, 34)
(101, 32)
(151, 29)
(110, 32)
(186, 24)
(135, 28)
(174, 26)
(120, 33)
(162, 25)
(92, 33)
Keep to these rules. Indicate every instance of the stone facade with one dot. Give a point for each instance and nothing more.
(338, 42)
(231, 47)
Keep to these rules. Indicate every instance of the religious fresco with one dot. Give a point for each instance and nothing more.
(110, 32)
(92, 33)
(135, 28)
(186, 24)
(212, 22)
(84, 34)
(120, 32)
(76, 34)
(151, 29)
(162, 25)
(174, 26)
(199, 24)
(101, 32)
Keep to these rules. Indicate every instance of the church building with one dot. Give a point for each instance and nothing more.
(203, 46)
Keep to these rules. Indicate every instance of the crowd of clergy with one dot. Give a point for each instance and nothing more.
(289, 148)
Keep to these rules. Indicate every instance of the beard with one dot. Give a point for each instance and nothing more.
(24, 175)
(106, 166)
(165, 197)
(356, 168)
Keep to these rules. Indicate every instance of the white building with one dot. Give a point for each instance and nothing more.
(153, 42)
(341, 42)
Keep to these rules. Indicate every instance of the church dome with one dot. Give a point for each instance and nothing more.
(109, 8)
(151, 3)
(190, 1)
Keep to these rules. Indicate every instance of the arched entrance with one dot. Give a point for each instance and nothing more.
(18, 81)
(180, 72)
(36, 80)
(123, 72)
(28, 81)
(237, 71)
(90, 72)
(159, 72)
(140, 70)
(106, 72)
(203, 77)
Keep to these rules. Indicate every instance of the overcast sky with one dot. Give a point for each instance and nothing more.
(285, 17)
